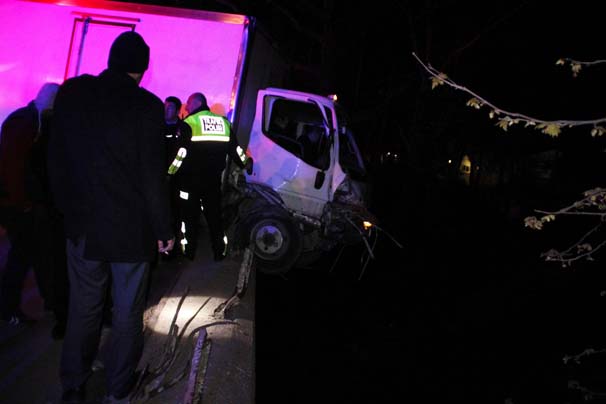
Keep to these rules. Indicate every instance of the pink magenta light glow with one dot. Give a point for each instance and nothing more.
(187, 54)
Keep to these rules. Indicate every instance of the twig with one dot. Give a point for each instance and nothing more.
(442, 78)
(170, 353)
(578, 62)
(587, 352)
(587, 393)
(362, 235)
(393, 239)
(575, 213)
(388, 235)
(368, 258)
(334, 264)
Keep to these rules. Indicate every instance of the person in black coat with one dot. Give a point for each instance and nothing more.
(26, 218)
(107, 174)
(47, 238)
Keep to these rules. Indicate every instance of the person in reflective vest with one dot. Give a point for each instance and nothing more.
(200, 163)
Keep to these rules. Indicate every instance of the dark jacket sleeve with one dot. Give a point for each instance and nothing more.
(232, 151)
(57, 157)
(16, 139)
(153, 171)
(184, 136)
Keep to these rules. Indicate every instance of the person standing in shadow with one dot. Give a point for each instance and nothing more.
(24, 217)
(48, 236)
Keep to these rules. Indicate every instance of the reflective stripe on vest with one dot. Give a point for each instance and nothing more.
(210, 138)
(208, 127)
(241, 154)
(177, 161)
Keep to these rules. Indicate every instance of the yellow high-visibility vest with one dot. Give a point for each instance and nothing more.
(208, 127)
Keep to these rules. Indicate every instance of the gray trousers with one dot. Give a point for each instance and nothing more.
(88, 285)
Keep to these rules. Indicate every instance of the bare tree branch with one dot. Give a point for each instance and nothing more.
(550, 127)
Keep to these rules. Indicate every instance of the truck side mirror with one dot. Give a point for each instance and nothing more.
(320, 176)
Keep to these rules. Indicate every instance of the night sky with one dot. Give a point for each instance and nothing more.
(467, 311)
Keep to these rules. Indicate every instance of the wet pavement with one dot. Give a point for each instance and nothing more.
(29, 357)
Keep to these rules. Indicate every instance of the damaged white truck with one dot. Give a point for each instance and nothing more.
(304, 192)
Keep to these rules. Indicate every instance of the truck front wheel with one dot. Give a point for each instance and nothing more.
(277, 241)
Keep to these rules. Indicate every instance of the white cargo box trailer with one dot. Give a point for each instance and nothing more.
(191, 50)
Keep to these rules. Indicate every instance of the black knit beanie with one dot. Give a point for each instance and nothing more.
(129, 53)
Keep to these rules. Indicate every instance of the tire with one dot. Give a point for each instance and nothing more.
(277, 241)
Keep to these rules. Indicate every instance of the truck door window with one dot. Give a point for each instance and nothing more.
(349, 155)
(297, 127)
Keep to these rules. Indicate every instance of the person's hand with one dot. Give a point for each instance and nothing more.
(166, 246)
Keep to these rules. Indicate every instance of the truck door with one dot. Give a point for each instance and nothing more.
(291, 151)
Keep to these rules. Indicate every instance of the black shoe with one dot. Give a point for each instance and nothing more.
(73, 396)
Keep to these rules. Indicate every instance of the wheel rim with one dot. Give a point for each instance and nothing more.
(270, 239)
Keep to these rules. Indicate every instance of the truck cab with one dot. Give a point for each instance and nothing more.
(304, 191)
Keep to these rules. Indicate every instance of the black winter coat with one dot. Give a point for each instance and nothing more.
(16, 139)
(107, 166)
